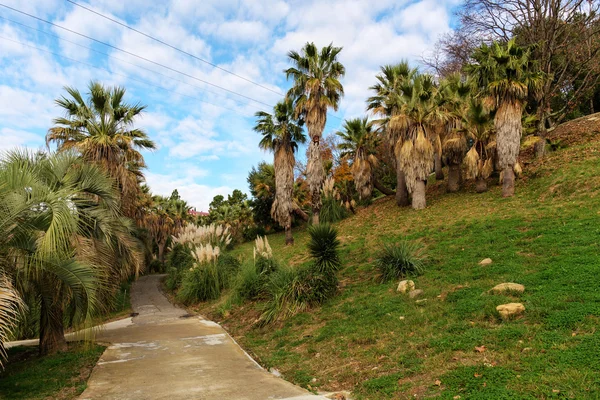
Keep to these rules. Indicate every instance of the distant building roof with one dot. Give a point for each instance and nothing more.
(195, 213)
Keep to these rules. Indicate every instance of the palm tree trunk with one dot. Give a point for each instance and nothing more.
(453, 178)
(439, 173)
(161, 251)
(401, 189)
(52, 333)
(508, 182)
(289, 238)
(299, 212)
(418, 195)
(383, 189)
(316, 176)
(481, 185)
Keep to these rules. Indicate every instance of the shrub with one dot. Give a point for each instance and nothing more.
(227, 267)
(332, 211)
(249, 283)
(200, 283)
(180, 257)
(155, 266)
(323, 248)
(399, 260)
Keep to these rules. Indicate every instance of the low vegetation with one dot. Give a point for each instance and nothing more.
(381, 344)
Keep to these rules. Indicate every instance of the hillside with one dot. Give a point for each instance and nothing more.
(380, 344)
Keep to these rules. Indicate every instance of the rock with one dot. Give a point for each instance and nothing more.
(405, 286)
(415, 293)
(275, 372)
(485, 261)
(508, 287)
(510, 310)
(421, 301)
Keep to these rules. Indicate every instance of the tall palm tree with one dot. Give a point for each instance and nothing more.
(417, 114)
(315, 89)
(478, 125)
(281, 134)
(359, 142)
(452, 96)
(385, 104)
(63, 237)
(101, 129)
(506, 75)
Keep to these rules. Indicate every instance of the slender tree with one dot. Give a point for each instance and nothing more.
(316, 88)
(385, 104)
(281, 134)
(101, 128)
(506, 75)
(359, 142)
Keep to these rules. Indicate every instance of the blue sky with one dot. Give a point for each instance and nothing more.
(206, 145)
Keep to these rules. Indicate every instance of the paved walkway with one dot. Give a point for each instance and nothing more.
(164, 354)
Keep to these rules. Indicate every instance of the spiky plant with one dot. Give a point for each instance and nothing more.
(507, 75)
(282, 133)
(323, 247)
(398, 260)
(385, 105)
(359, 141)
(316, 88)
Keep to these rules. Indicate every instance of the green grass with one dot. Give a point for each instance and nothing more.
(59, 376)
(381, 345)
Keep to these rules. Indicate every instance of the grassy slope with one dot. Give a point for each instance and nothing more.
(60, 376)
(380, 344)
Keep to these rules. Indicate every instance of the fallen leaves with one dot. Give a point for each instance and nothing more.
(480, 349)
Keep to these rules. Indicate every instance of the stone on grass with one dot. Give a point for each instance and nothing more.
(508, 287)
(415, 293)
(405, 286)
(510, 310)
(485, 261)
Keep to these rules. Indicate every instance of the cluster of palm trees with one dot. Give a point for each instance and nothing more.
(77, 222)
(470, 122)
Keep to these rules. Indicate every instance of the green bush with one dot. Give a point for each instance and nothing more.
(292, 291)
(323, 247)
(332, 210)
(399, 260)
(265, 266)
(180, 257)
(200, 283)
(249, 283)
(155, 266)
(227, 267)
(173, 280)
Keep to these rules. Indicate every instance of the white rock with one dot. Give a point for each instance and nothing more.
(508, 287)
(510, 310)
(415, 293)
(405, 286)
(485, 261)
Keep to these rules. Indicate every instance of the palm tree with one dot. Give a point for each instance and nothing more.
(477, 123)
(359, 141)
(101, 129)
(63, 237)
(452, 97)
(506, 75)
(417, 114)
(11, 305)
(385, 103)
(281, 134)
(316, 88)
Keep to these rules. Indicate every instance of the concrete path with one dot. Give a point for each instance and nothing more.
(165, 354)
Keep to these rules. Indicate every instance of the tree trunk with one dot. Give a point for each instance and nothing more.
(508, 182)
(418, 196)
(481, 185)
(453, 178)
(383, 189)
(315, 176)
(52, 333)
(289, 238)
(315, 218)
(540, 145)
(299, 212)
(161, 251)
(439, 173)
(401, 190)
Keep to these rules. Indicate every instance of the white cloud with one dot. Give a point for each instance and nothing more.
(11, 138)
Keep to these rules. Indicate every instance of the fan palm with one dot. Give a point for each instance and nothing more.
(478, 125)
(62, 237)
(452, 96)
(101, 129)
(507, 75)
(385, 105)
(359, 141)
(316, 88)
(281, 134)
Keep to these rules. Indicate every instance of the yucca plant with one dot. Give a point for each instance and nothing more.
(323, 248)
(399, 260)
(332, 209)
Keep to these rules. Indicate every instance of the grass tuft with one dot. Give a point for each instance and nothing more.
(399, 260)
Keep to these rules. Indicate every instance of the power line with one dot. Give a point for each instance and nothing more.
(175, 48)
(113, 57)
(118, 74)
(134, 55)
